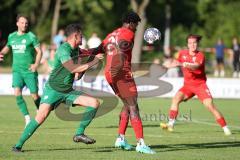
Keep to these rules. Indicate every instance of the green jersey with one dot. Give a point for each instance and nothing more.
(23, 49)
(61, 79)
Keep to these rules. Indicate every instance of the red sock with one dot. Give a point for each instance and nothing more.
(123, 123)
(221, 121)
(173, 114)
(137, 127)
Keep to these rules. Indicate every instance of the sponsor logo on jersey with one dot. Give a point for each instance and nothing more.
(19, 47)
(24, 41)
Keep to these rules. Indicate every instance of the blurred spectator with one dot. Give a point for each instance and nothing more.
(45, 52)
(236, 57)
(59, 38)
(94, 41)
(50, 61)
(219, 51)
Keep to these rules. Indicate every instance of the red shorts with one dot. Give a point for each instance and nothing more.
(123, 88)
(201, 91)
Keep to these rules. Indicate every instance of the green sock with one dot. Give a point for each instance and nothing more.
(88, 116)
(37, 102)
(22, 105)
(27, 133)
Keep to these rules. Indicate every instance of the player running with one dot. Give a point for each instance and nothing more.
(192, 62)
(59, 88)
(118, 48)
(24, 44)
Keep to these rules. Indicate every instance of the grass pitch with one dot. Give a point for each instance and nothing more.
(196, 134)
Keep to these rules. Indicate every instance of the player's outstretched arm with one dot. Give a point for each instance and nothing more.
(76, 68)
(192, 66)
(91, 51)
(172, 64)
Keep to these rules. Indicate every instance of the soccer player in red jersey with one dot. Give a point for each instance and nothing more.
(118, 48)
(192, 63)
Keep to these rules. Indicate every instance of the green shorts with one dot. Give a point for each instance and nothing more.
(19, 80)
(53, 97)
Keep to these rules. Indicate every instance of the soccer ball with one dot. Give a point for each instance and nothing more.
(151, 35)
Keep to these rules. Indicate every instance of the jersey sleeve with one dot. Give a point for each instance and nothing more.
(64, 55)
(125, 41)
(200, 59)
(126, 36)
(34, 39)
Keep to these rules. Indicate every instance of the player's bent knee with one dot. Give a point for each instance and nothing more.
(94, 103)
(34, 96)
(208, 102)
(43, 112)
(40, 118)
(17, 92)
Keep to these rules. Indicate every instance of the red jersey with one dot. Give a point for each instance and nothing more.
(120, 41)
(197, 76)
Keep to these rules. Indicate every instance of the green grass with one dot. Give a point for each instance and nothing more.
(196, 136)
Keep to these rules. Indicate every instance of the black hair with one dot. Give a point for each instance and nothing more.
(21, 15)
(131, 17)
(72, 28)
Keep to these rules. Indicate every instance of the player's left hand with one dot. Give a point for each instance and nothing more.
(33, 67)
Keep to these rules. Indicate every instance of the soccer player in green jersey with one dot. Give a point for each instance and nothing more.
(24, 45)
(59, 88)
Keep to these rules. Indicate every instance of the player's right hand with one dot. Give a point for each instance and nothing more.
(33, 67)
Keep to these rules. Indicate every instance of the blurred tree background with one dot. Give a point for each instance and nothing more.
(210, 18)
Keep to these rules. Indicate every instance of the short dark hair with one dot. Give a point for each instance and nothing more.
(131, 17)
(72, 28)
(21, 15)
(195, 36)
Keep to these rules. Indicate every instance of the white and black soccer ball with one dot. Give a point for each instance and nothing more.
(151, 35)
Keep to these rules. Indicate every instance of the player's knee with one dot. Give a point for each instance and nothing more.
(34, 96)
(40, 117)
(134, 115)
(134, 112)
(17, 93)
(42, 114)
(94, 103)
(176, 100)
(208, 103)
